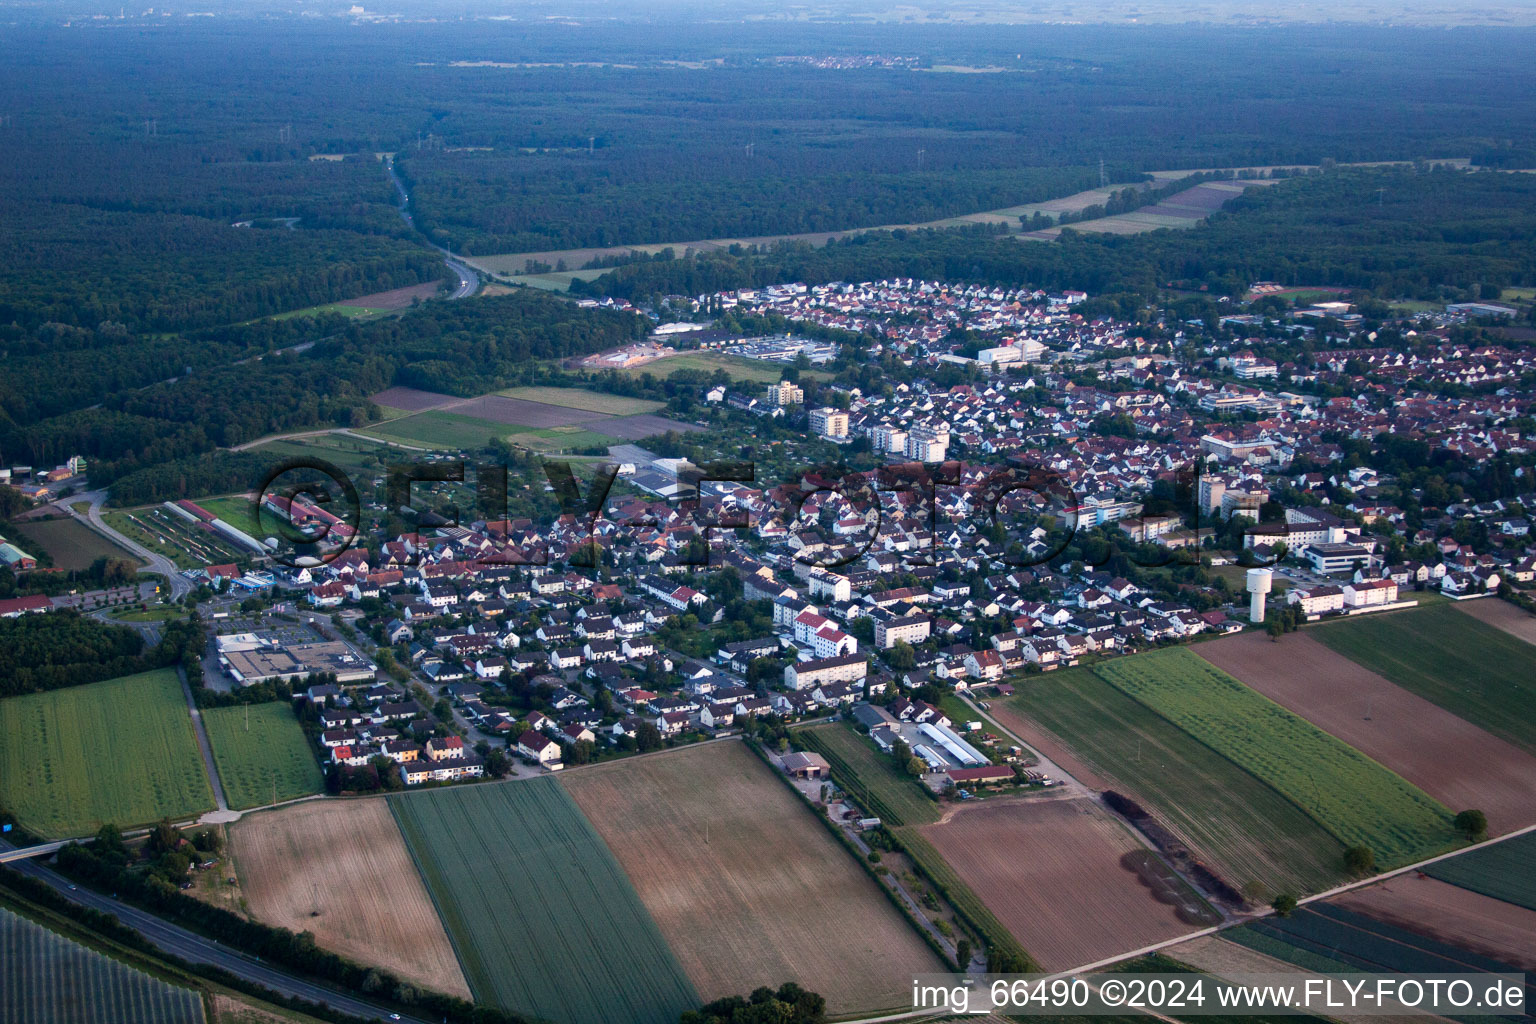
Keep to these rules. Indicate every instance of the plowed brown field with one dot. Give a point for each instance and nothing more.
(1452, 760)
(347, 858)
(746, 886)
(1458, 916)
(1502, 615)
(1050, 870)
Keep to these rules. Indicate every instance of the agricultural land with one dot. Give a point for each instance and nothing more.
(1052, 872)
(539, 911)
(70, 543)
(1452, 760)
(46, 978)
(262, 754)
(1351, 796)
(1501, 870)
(1454, 915)
(120, 751)
(1502, 615)
(346, 860)
(1256, 839)
(1473, 670)
(747, 887)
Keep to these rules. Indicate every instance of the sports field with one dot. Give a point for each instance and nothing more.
(1351, 796)
(339, 869)
(1051, 871)
(262, 754)
(1473, 670)
(120, 751)
(756, 371)
(1255, 838)
(745, 884)
(48, 979)
(542, 918)
(1447, 757)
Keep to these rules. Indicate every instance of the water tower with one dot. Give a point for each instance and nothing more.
(1259, 582)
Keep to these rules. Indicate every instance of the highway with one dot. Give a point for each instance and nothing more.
(469, 279)
(193, 948)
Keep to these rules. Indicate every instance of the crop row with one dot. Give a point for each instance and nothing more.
(1353, 797)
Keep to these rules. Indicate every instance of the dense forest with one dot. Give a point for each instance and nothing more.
(671, 132)
(1394, 232)
(148, 443)
(46, 652)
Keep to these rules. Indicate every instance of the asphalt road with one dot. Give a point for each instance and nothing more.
(193, 948)
(469, 280)
(157, 563)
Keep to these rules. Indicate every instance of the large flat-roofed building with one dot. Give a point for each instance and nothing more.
(254, 665)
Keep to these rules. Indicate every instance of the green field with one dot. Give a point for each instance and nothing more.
(70, 543)
(121, 751)
(1353, 797)
(555, 439)
(257, 746)
(1255, 838)
(586, 401)
(357, 456)
(234, 509)
(869, 775)
(447, 430)
(1506, 871)
(738, 367)
(48, 979)
(1471, 669)
(542, 917)
(337, 308)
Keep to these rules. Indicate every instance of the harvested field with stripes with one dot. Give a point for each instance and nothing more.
(744, 882)
(345, 858)
(1457, 916)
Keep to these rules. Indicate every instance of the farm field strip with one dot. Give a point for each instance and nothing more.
(120, 751)
(1502, 870)
(261, 753)
(1052, 872)
(346, 859)
(1353, 797)
(746, 885)
(1448, 757)
(1515, 621)
(1473, 670)
(542, 918)
(587, 401)
(46, 978)
(1460, 917)
(1256, 839)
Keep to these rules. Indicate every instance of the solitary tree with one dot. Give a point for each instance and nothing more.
(1473, 823)
(1359, 860)
(1284, 904)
